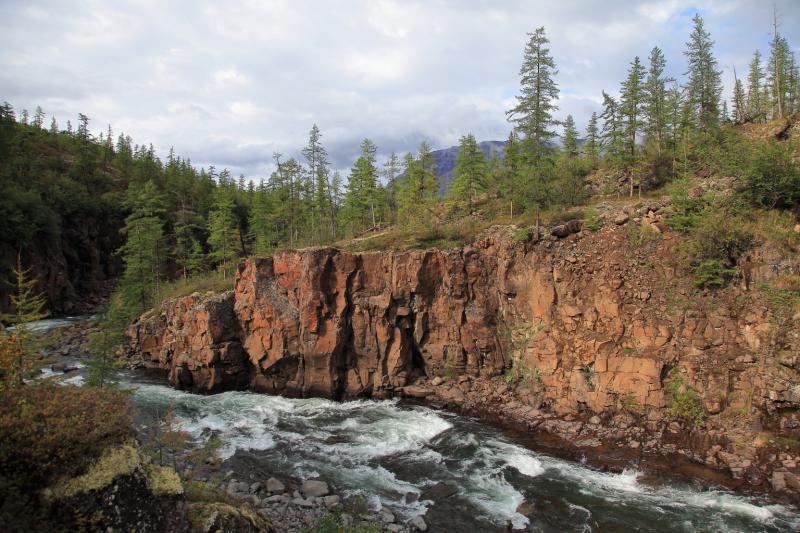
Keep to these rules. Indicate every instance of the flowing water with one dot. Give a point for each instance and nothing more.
(48, 324)
(386, 449)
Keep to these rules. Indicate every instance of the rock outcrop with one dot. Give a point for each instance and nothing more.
(592, 323)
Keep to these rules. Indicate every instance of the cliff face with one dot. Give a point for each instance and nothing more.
(600, 340)
(74, 269)
(590, 318)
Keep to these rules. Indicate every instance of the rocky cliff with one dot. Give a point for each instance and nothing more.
(584, 327)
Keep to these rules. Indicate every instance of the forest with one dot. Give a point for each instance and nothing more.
(169, 222)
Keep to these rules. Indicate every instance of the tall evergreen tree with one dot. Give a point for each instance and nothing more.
(536, 103)
(29, 305)
(755, 77)
(361, 201)
(143, 251)
(655, 94)
(469, 174)
(739, 100)
(704, 86)
(223, 228)
(592, 144)
(612, 127)
(391, 172)
(570, 137)
(631, 102)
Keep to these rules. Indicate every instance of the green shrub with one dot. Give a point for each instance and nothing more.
(49, 433)
(686, 209)
(592, 221)
(683, 402)
(715, 244)
(522, 235)
(712, 274)
(772, 177)
(333, 522)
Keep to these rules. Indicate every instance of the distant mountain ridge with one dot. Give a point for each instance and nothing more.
(446, 158)
(446, 161)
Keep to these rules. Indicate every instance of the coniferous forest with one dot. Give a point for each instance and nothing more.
(94, 221)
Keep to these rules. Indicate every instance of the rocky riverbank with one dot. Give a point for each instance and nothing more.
(568, 332)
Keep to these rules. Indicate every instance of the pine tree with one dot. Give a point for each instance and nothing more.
(83, 127)
(570, 137)
(704, 86)
(38, 117)
(361, 201)
(469, 174)
(186, 227)
(261, 221)
(592, 144)
(533, 112)
(755, 77)
(612, 128)
(655, 94)
(777, 61)
(53, 126)
(142, 252)
(429, 182)
(391, 172)
(739, 100)
(223, 228)
(29, 306)
(317, 160)
(631, 101)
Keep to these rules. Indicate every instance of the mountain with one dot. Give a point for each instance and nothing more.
(446, 160)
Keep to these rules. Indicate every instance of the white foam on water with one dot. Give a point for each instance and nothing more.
(345, 442)
(525, 461)
(625, 488)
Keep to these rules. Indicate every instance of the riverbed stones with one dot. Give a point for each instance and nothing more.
(418, 523)
(275, 486)
(315, 488)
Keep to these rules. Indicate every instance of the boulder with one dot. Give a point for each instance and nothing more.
(315, 488)
(275, 486)
(418, 523)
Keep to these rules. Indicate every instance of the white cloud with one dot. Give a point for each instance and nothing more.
(229, 83)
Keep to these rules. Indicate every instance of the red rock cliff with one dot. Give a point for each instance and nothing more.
(597, 319)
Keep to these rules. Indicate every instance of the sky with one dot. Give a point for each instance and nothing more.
(230, 83)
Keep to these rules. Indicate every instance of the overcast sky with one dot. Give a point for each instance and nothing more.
(228, 83)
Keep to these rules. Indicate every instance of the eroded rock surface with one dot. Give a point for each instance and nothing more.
(596, 326)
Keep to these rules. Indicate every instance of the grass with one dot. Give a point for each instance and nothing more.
(683, 402)
(211, 282)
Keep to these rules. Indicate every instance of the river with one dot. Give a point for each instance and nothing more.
(465, 475)
(387, 449)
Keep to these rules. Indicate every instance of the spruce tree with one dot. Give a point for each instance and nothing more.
(755, 77)
(704, 86)
(143, 251)
(261, 221)
(223, 229)
(361, 201)
(469, 174)
(739, 101)
(592, 144)
(29, 305)
(536, 103)
(570, 137)
(655, 94)
(612, 127)
(631, 103)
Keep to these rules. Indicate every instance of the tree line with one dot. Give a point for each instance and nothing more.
(180, 221)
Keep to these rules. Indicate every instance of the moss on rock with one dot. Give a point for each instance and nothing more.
(115, 462)
(163, 480)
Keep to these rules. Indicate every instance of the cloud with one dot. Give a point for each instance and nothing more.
(230, 83)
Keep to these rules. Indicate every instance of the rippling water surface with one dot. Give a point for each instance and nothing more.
(386, 449)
